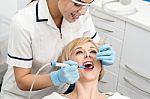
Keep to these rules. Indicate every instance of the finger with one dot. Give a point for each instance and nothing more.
(70, 68)
(72, 75)
(74, 79)
(104, 58)
(70, 62)
(108, 62)
(105, 47)
(104, 53)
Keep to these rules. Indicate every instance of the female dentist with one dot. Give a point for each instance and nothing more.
(37, 36)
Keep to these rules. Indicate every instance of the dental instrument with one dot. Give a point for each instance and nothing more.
(56, 64)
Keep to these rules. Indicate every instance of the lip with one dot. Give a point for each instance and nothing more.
(75, 16)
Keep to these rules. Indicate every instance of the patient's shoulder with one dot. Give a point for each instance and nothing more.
(54, 95)
(116, 95)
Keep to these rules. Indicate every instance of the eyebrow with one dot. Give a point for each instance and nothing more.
(81, 48)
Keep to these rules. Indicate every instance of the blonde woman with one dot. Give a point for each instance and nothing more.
(83, 51)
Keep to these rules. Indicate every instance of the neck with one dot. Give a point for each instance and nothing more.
(55, 12)
(86, 90)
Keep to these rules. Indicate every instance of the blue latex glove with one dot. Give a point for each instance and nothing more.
(67, 74)
(106, 54)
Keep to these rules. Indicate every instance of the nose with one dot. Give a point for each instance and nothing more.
(87, 55)
(83, 10)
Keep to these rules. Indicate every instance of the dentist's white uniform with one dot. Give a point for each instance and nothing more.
(36, 40)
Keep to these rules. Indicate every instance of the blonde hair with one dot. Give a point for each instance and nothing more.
(66, 53)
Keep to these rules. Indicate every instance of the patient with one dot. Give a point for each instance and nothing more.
(83, 50)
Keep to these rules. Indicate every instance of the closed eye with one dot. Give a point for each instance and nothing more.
(93, 51)
(78, 52)
(77, 5)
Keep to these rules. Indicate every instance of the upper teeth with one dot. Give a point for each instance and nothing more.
(87, 63)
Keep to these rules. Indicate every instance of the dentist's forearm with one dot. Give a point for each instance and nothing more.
(24, 79)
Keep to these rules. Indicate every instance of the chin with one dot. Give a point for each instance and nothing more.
(89, 78)
(70, 19)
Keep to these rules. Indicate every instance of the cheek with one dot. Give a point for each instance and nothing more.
(98, 65)
(94, 57)
(61, 6)
(77, 59)
(65, 7)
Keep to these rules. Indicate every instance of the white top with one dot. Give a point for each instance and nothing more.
(35, 40)
(115, 95)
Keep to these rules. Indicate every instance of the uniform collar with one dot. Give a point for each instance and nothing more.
(42, 11)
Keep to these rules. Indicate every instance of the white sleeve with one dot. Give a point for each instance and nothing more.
(54, 95)
(90, 27)
(19, 45)
(117, 95)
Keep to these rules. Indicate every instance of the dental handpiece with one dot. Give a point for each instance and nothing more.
(56, 64)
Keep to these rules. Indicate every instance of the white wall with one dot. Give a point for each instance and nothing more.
(8, 7)
(22, 3)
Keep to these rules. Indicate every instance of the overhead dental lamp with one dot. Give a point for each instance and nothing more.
(120, 7)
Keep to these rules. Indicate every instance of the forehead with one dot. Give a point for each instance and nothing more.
(86, 45)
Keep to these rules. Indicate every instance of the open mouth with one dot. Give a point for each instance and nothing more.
(88, 65)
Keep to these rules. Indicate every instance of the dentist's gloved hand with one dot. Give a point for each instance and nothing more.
(67, 74)
(106, 54)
